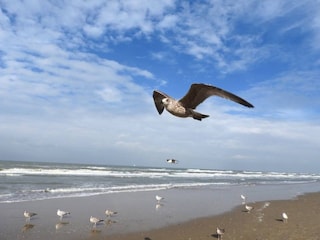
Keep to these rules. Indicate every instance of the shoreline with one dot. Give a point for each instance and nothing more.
(138, 212)
(263, 222)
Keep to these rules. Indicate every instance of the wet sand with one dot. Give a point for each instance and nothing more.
(184, 214)
(264, 222)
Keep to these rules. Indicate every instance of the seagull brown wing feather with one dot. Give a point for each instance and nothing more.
(157, 97)
(200, 92)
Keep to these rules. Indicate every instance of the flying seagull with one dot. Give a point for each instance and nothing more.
(171, 160)
(197, 93)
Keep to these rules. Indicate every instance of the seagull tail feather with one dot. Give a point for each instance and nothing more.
(198, 116)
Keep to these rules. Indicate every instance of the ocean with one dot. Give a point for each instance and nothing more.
(28, 181)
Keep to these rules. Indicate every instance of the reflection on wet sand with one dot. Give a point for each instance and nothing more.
(159, 205)
(27, 227)
(61, 224)
(110, 222)
(95, 231)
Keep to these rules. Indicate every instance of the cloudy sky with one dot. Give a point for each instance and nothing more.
(76, 82)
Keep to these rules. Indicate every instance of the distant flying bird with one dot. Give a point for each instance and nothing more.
(220, 232)
(197, 93)
(284, 217)
(110, 213)
(171, 160)
(28, 215)
(62, 214)
(159, 198)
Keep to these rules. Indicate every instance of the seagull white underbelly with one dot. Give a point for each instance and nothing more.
(178, 110)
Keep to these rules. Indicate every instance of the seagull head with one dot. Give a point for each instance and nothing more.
(165, 101)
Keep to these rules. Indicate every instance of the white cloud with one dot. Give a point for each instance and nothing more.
(66, 92)
(201, 29)
(168, 22)
(291, 94)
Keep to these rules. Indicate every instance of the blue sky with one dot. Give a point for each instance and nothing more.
(76, 82)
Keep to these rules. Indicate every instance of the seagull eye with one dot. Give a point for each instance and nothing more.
(165, 100)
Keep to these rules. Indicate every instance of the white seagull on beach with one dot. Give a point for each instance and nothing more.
(197, 93)
(243, 197)
(62, 214)
(159, 198)
(220, 232)
(284, 217)
(248, 208)
(28, 215)
(110, 213)
(95, 220)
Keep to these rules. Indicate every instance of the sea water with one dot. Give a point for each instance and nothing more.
(27, 181)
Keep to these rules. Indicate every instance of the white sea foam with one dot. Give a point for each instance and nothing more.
(40, 194)
(24, 182)
(161, 173)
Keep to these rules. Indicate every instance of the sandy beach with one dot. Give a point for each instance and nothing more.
(264, 222)
(183, 214)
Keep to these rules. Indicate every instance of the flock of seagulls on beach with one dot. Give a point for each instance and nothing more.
(61, 214)
(109, 213)
(249, 208)
(221, 231)
(284, 217)
(93, 220)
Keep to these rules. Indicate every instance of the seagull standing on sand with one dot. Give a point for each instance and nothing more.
(197, 93)
(284, 217)
(248, 208)
(159, 198)
(95, 220)
(62, 214)
(220, 232)
(243, 197)
(28, 215)
(110, 213)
